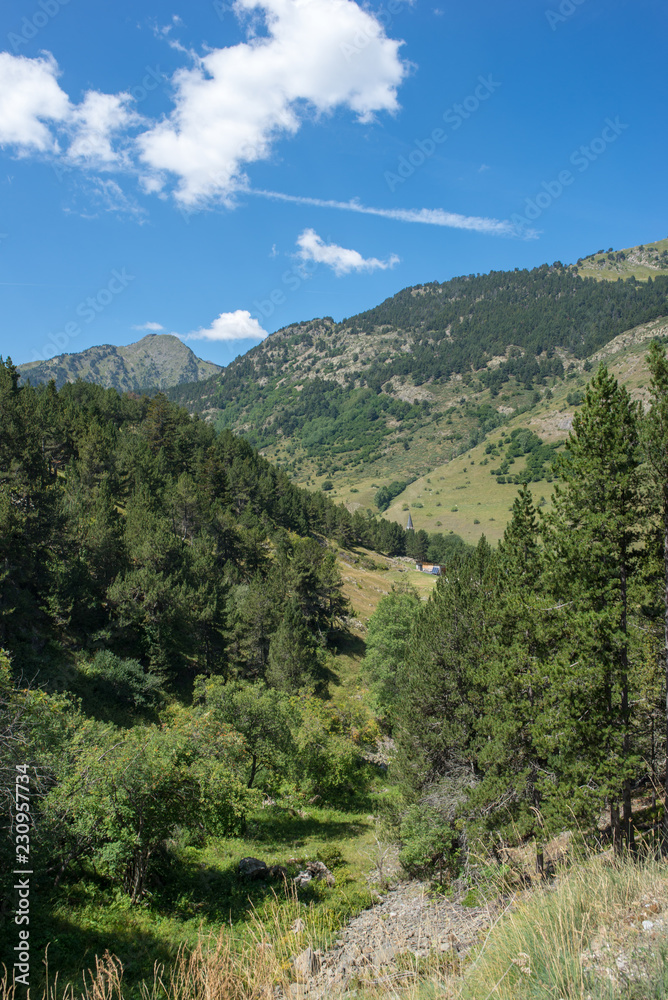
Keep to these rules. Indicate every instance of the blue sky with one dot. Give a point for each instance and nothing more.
(218, 170)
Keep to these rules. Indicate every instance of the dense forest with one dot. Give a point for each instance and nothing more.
(171, 614)
(528, 695)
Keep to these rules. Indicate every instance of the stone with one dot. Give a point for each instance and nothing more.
(384, 955)
(253, 868)
(307, 964)
(319, 870)
(277, 871)
(301, 879)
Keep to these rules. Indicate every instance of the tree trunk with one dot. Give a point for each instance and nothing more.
(627, 817)
(615, 828)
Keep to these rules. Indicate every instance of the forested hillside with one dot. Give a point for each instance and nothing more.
(180, 689)
(424, 375)
(529, 694)
(170, 611)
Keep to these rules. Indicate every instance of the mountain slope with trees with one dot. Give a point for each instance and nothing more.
(440, 362)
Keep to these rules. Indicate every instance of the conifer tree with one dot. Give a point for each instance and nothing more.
(656, 447)
(594, 554)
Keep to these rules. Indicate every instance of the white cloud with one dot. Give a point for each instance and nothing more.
(232, 106)
(29, 98)
(341, 260)
(427, 216)
(36, 116)
(149, 326)
(94, 123)
(238, 325)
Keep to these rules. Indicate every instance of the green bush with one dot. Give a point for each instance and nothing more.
(429, 844)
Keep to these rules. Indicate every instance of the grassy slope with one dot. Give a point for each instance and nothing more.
(475, 492)
(640, 264)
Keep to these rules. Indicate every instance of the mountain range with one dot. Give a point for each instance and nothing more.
(156, 362)
(437, 402)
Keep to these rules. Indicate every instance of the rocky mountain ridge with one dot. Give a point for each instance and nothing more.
(156, 362)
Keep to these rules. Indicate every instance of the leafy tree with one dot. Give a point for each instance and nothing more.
(261, 715)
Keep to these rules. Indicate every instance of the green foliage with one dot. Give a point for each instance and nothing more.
(327, 761)
(429, 845)
(530, 683)
(386, 494)
(387, 641)
(118, 797)
(109, 679)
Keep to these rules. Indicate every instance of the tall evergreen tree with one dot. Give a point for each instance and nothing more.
(656, 445)
(594, 552)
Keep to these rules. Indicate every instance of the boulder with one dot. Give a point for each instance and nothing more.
(253, 868)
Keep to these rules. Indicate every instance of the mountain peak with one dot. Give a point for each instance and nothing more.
(157, 361)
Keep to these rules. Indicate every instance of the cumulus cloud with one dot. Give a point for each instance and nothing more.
(237, 325)
(231, 107)
(149, 326)
(94, 123)
(30, 101)
(36, 115)
(341, 260)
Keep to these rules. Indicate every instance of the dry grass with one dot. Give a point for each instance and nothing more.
(581, 938)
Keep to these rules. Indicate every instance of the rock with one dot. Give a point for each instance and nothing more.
(307, 964)
(298, 926)
(319, 870)
(277, 871)
(301, 879)
(384, 955)
(253, 868)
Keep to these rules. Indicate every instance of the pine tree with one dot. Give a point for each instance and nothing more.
(656, 447)
(594, 554)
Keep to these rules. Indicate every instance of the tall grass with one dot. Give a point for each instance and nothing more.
(580, 938)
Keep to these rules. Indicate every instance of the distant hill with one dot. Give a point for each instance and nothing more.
(157, 361)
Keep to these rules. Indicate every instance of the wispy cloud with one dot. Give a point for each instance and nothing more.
(149, 326)
(237, 325)
(341, 260)
(426, 216)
